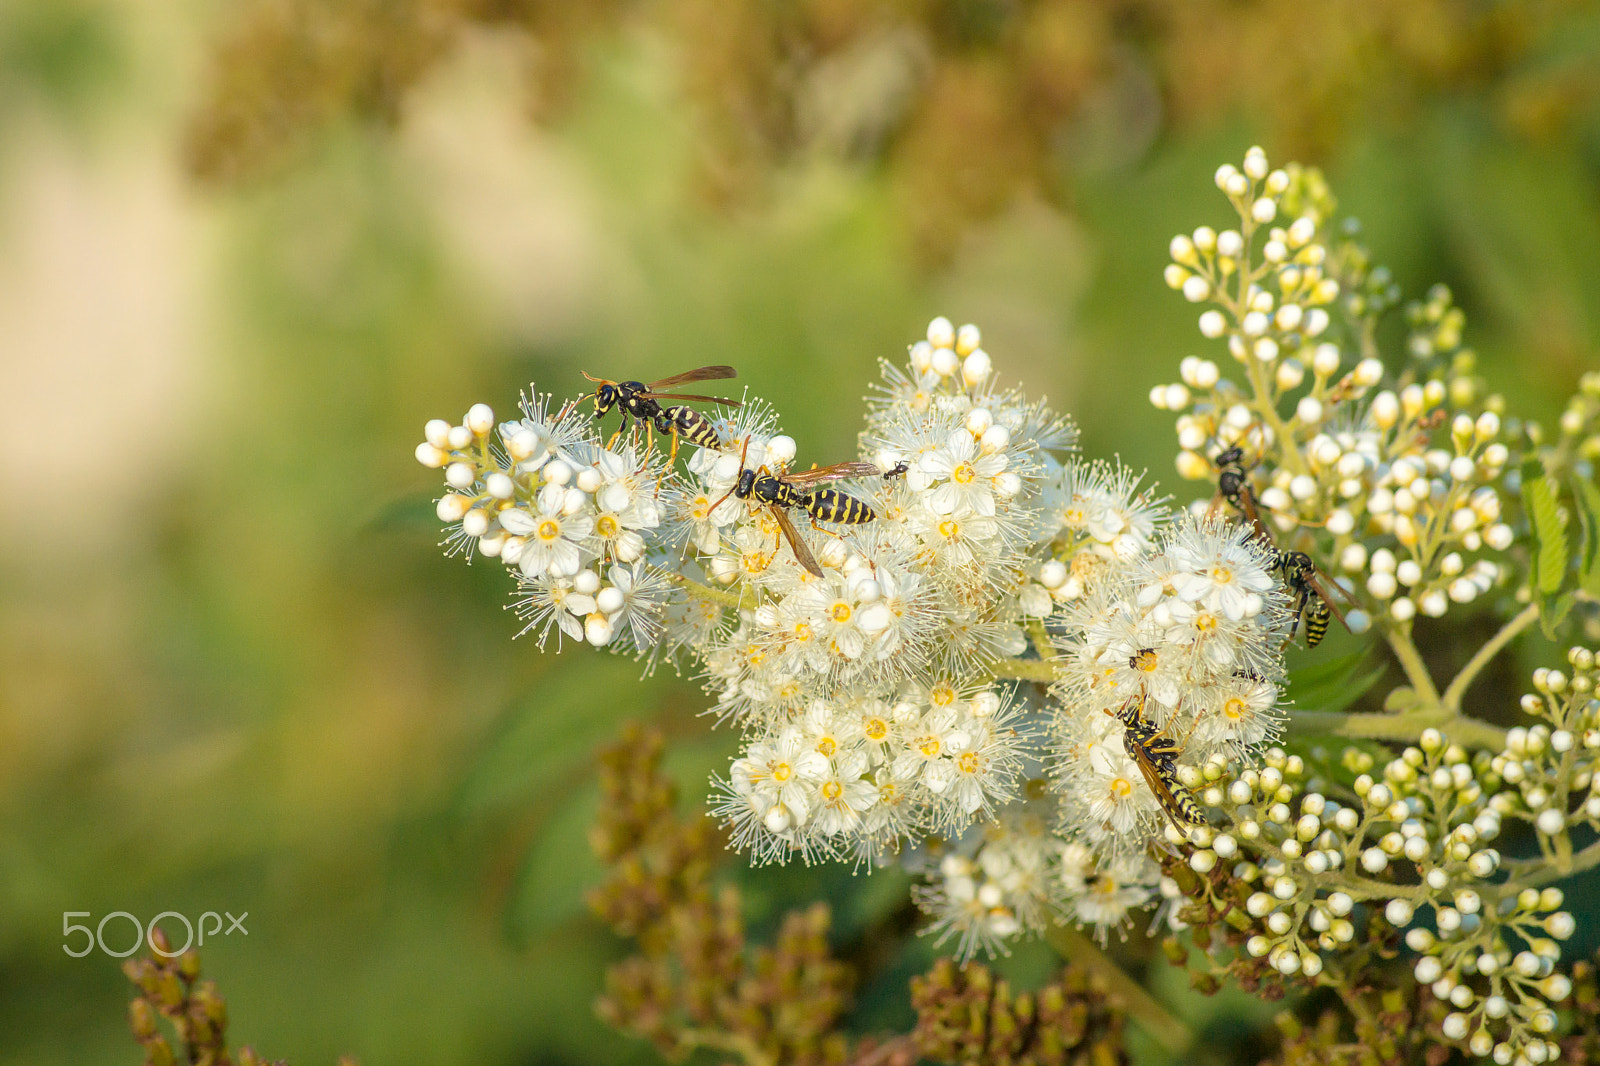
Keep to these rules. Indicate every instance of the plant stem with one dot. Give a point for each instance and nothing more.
(1460, 728)
(1023, 670)
(704, 592)
(1041, 639)
(1164, 1028)
(1458, 687)
(1540, 872)
(1411, 662)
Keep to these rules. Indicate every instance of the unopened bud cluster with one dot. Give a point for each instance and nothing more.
(1397, 479)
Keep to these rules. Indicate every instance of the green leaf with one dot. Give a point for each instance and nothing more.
(1587, 498)
(557, 870)
(1401, 699)
(1539, 497)
(1553, 611)
(1333, 684)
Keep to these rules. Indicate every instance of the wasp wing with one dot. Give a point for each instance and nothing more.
(820, 475)
(690, 396)
(704, 373)
(802, 553)
(1182, 815)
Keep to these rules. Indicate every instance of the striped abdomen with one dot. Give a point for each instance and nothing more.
(831, 505)
(1317, 618)
(689, 425)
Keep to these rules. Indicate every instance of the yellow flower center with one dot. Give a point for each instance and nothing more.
(1074, 517)
(949, 529)
(968, 762)
(930, 747)
(832, 790)
(700, 508)
(1145, 660)
(963, 474)
(802, 631)
(875, 729)
(1205, 621)
(1121, 788)
(1222, 575)
(548, 530)
(942, 695)
(782, 772)
(840, 612)
(607, 526)
(827, 746)
(1235, 709)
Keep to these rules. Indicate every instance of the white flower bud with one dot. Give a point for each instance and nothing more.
(480, 419)
(976, 368)
(1428, 970)
(1213, 324)
(941, 333)
(431, 455)
(452, 507)
(944, 361)
(597, 630)
(967, 339)
(1290, 373)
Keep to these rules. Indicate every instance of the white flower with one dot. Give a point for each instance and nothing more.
(1222, 567)
(554, 538)
(781, 769)
(971, 483)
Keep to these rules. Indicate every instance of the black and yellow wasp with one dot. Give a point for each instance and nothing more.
(1156, 756)
(1313, 595)
(641, 402)
(783, 491)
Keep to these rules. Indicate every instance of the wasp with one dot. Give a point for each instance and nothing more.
(1233, 484)
(1156, 756)
(1307, 585)
(641, 402)
(783, 491)
(1312, 597)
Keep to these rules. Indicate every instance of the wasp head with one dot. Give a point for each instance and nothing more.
(746, 485)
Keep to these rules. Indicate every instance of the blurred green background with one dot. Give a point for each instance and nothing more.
(246, 250)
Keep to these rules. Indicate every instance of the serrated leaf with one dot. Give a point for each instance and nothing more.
(1587, 497)
(1550, 561)
(1553, 611)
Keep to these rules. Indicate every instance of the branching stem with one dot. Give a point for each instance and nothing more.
(1458, 687)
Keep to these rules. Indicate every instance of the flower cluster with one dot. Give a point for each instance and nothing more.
(1059, 697)
(1404, 481)
(871, 665)
(569, 514)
